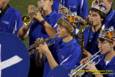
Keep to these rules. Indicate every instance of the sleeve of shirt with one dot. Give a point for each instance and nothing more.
(84, 8)
(16, 22)
(19, 21)
(110, 20)
(73, 60)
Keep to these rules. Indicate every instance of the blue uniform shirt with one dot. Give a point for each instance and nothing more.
(80, 7)
(90, 40)
(110, 19)
(109, 67)
(37, 30)
(55, 5)
(10, 20)
(68, 55)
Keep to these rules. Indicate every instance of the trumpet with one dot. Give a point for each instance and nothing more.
(77, 71)
(26, 20)
(50, 41)
(32, 11)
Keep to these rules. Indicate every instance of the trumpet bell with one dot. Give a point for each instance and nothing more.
(26, 20)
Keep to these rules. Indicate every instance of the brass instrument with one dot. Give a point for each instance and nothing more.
(71, 17)
(41, 41)
(77, 71)
(26, 20)
(32, 10)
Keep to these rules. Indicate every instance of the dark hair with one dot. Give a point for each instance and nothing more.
(102, 14)
(105, 39)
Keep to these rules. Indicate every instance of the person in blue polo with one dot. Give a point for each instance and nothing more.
(45, 21)
(110, 17)
(68, 51)
(107, 57)
(43, 26)
(10, 19)
(91, 33)
(77, 7)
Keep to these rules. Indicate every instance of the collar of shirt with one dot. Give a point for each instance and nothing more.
(67, 44)
(111, 62)
(4, 10)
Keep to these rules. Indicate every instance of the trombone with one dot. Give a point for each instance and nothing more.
(77, 71)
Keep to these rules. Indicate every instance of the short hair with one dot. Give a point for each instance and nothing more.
(103, 15)
(64, 23)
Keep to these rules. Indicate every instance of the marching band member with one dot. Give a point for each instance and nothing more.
(110, 12)
(107, 60)
(45, 17)
(43, 25)
(47, 20)
(67, 50)
(10, 19)
(96, 17)
(77, 7)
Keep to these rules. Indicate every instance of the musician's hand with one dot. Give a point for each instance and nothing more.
(91, 67)
(84, 60)
(43, 48)
(86, 53)
(31, 10)
(39, 16)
